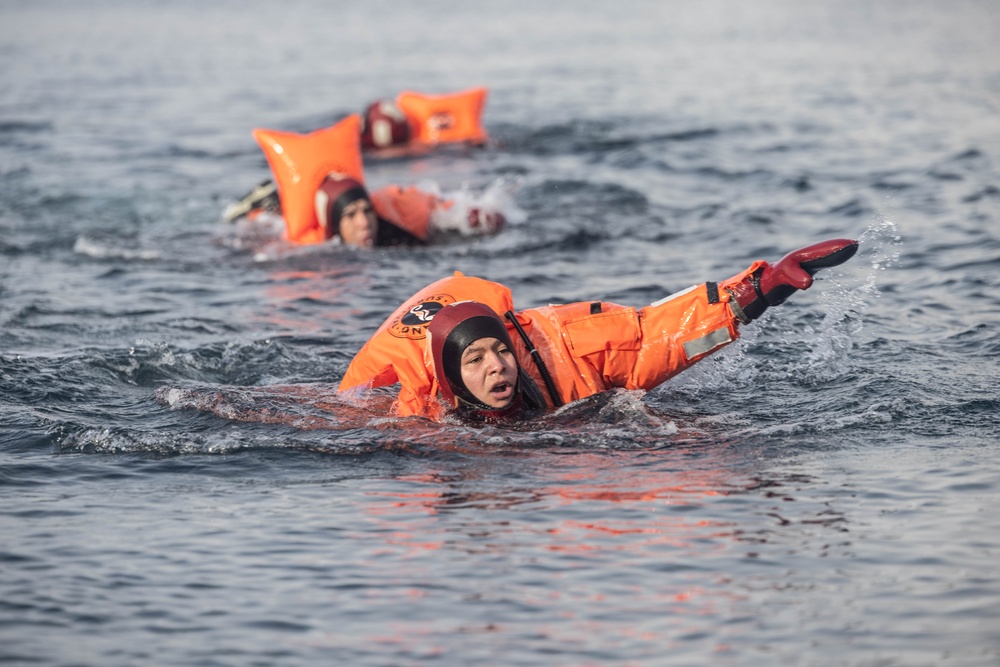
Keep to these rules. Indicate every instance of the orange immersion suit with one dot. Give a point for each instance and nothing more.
(442, 119)
(408, 208)
(300, 163)
(587, 347)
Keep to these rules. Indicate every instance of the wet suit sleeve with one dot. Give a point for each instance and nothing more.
(407, 211)
(641, 349)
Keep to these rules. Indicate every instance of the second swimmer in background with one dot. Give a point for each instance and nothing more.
(320, 174)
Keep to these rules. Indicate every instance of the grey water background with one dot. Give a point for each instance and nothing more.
(179, 486)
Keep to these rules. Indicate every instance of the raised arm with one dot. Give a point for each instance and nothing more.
(615, 346)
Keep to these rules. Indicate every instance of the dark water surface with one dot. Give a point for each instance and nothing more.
(180, 486)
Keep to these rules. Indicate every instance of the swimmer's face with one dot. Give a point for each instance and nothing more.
(489, 372)
(358, 224)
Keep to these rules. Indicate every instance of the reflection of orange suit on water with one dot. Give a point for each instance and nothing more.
(576, 350)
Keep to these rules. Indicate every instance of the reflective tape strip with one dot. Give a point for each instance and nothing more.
(672, 296)
(707, 343)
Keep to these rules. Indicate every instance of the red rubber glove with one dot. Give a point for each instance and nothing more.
(771, 284)
(490, 222)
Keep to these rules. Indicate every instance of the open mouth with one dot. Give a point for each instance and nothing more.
(502, 391)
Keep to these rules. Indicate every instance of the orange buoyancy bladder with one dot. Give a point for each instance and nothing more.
(408, 208)
(441, 119)
(300, 162)
(398, 350)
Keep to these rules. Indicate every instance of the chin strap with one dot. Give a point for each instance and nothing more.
(550, 386)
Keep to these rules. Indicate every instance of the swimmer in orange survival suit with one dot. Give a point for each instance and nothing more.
(319, 176)
(344, 210)
(417, 122)
(458, 348)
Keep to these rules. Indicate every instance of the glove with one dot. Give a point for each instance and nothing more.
(771, 284)
(486, 222)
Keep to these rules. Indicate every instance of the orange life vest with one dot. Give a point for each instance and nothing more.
(300, 162)
(441, 119)
(587, 347)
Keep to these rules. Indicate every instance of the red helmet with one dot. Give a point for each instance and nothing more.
(332, 197)
(383, 125)
(452, 329)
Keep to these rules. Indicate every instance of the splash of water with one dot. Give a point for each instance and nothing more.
(828, 345)
(817, 352)
(474, 212)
